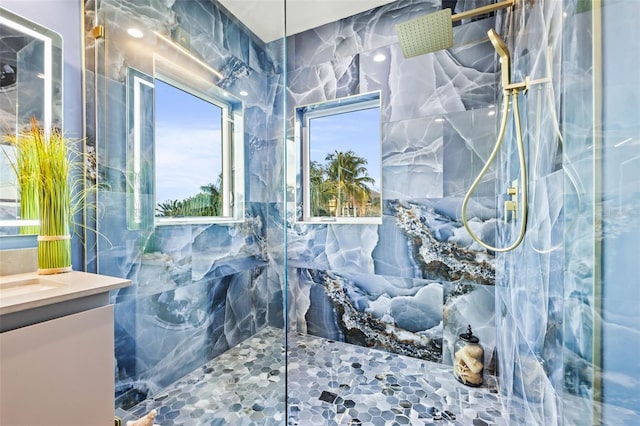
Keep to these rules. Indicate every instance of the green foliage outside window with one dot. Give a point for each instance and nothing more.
(342, 187)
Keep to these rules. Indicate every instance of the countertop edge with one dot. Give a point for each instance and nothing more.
(76, 285)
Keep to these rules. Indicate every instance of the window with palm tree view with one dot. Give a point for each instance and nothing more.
(342, 154)
(189, 154)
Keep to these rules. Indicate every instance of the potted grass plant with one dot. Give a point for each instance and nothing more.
(54, 239)
(43, 168)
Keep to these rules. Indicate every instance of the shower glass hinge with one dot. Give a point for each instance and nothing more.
(512, 204)
(97, 31)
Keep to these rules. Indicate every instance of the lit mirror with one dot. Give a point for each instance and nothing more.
(185, 162)
(30, 86)
(340, 157)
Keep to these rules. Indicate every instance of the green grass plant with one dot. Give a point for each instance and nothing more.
(50, 174)
(54, 246)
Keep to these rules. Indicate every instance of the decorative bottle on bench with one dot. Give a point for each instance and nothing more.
(468, 359)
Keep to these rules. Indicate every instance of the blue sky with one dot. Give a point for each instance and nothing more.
(188, 143)
(358, 131)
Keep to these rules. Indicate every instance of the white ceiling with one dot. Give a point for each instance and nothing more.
(266, 17)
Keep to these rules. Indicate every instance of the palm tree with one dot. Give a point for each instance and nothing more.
(211, 196)
(350, 176)
(170, 208)
(206, 203)
(321, 190)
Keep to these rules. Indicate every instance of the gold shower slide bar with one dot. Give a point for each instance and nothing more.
(527, 83)
(482, 10)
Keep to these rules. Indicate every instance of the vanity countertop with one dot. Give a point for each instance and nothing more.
(20, 292)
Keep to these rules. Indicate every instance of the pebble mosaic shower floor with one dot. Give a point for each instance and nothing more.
(329, 383)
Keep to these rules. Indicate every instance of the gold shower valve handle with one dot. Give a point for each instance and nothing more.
(511, 205)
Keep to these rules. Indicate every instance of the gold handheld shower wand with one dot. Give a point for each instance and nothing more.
(505, 59)
(509, 91)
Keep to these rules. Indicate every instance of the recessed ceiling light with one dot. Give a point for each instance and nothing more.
(135, 33)
(243, 93)
(379, 57)
(492, 112)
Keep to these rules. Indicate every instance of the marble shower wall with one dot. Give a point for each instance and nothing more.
(412, 284)
(198, 289)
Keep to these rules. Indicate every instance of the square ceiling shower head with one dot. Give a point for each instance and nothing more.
(426, 34)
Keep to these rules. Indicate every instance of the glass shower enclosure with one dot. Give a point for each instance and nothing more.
(207, 133)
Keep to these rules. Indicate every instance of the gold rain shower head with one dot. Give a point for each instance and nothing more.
(433, 32)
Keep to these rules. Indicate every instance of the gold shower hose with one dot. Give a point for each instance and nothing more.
(513, 94)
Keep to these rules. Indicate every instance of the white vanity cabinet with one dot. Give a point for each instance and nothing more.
(57, 352)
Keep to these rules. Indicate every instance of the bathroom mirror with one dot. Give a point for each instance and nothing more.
(30, 86)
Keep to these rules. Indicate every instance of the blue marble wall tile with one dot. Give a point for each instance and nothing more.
(162, 336)
(305, 246)
(171, 333)
(266, 57)
(469, 137)
(195, 17)
(412, 152)
(259, 166)
(532, 388)
(328, 80)
(393, 253)
(333, 247)
(349, 248)
(246, 305)
(436, 83)
(275, 283)
(220, 250)
(439, 244)
(394, 314)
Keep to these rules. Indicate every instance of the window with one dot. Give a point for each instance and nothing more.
(185, 155)
(188, 155)
(340, 159)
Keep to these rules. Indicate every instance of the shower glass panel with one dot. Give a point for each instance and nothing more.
(200, 335)
(602, 198)
(277, 321)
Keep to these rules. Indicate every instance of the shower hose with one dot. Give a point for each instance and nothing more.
(513, 94)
